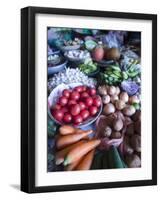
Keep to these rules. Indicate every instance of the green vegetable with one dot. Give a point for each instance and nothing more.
(50, 157)
(136, 105)
(115, 67)
(113, 75)
(125, 76)
(118, 74)
(88, 67)
(97, 161)
(105, 161)
(123, 163)
(115, 160)
(52, 127)
(90, 44)
(133, 74)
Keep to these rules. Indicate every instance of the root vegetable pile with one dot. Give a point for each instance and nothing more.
(75, 151)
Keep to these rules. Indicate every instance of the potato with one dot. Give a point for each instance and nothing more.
(112, 90)
(120, 104)
(106, 99)
(135, 142)
(107, 131)
(127, 121)
(137, 116)
(118, 125)
(102, 90)
(116, 135)
(129, 110)
(124, 97)
(134, 99)
(120, 115)
(107, 86)
(108, 109)
(128, 150)
(117, 90)
(133, 161)
(114, 98)
(130, 129)
(137, 126)
(109, 119)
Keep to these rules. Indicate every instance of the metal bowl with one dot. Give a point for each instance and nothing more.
(105, 63)
(68, 48)
(57, 66)
(76, 59)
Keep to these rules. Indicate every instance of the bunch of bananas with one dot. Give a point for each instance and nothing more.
(114, 75)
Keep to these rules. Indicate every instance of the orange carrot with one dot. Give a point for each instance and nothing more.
(86, 162)
(73, 165)
(60, 155)
(66, 129)
(66, 140)
(80, 151)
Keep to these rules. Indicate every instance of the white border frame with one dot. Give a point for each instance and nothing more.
(42, 178)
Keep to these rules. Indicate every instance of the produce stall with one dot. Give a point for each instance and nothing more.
(94, 99)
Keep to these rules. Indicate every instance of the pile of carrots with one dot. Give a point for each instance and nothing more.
(74, 148)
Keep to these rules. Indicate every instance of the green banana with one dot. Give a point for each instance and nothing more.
(133, 74)
(114, 76)
(132, 68)
(124, 75)
(117, 68)
(117, 73)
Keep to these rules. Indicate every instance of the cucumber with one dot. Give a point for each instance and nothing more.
(114, 158)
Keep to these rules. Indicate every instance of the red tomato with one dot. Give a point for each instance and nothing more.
(56, 106)
(92, 91)
(63, 101)
(82, 105)
(64, 109)
(84, 114)
(75, 109)
(66, 93)
(88, 101)
(93, 110)
(77, 119)
(58, 114)
(84, 95)
(75, 95)
(67, 118)
(79, 88)
(71, 102)
(97, 101)
(84, 88)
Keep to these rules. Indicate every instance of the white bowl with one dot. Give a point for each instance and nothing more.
(56, 93)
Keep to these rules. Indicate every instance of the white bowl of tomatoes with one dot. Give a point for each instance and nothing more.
(74, 104)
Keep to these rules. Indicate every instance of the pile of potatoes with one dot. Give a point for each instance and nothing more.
(113, 99)
(132, 141)
(128, 122)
